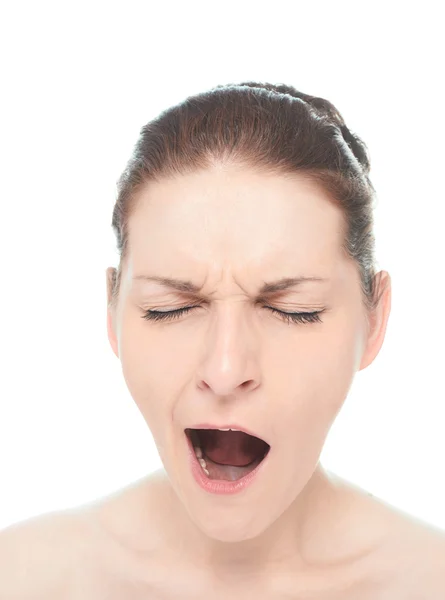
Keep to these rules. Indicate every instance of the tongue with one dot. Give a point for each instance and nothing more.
(228, 472)
(230, 447)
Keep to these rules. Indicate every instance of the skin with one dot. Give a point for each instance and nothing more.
(299, 532)
(231, 360)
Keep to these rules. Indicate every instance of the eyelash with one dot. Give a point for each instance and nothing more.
(305, 317)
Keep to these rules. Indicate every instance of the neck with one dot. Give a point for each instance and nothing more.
(302, 534)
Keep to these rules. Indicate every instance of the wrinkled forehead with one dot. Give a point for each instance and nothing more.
(228, 214)
(229, 232)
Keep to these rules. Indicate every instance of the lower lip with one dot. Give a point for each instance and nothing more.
(218, 486)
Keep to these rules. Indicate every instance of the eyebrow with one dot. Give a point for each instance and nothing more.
(268, 287)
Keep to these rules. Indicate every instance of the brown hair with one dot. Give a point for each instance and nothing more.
(272, 128)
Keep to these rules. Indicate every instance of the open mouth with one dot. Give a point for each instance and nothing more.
(227, 455)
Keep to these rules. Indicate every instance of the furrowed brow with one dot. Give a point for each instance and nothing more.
(268, 287)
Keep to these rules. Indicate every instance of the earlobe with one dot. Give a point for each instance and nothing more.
(378, 320)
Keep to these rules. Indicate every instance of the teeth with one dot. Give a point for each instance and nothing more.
(202, 462)
(229, 430)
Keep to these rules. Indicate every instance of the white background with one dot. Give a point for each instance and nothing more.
(78, 82)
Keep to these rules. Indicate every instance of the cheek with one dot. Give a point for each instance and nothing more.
(318, 381)
(155, 368)
(142, 369)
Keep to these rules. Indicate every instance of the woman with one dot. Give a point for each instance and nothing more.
(245, 301)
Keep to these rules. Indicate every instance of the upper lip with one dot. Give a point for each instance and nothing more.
(228, 426)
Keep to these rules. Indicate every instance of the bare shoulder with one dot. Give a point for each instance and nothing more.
(92, 551)
(410, 558)
(37, 555)
(420, 547)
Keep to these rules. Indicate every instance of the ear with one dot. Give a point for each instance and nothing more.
(112, 338)
(378, 320)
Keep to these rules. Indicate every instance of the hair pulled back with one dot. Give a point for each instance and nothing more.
(272, 128)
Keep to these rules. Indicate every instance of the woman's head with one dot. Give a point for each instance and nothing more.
(230, 190)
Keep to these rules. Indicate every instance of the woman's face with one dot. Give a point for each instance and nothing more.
(232, 360)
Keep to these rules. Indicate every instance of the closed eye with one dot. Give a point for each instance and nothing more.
(294, 317)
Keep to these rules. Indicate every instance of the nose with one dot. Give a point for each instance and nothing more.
(230, 363)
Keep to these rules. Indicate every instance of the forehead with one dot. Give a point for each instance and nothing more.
(233, 215)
